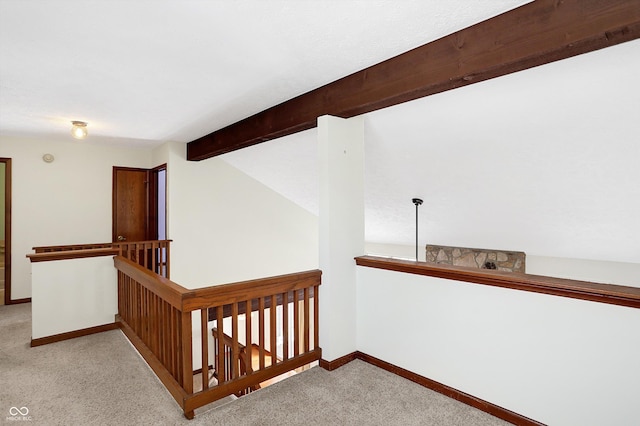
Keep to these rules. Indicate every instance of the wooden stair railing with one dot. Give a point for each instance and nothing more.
(156, 315)
(244, 364)
(153, 254)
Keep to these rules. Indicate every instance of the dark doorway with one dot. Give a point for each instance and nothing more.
(158, 203)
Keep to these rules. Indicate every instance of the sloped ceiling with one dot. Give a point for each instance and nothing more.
(545, 160)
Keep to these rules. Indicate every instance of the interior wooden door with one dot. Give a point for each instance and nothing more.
(130, 204)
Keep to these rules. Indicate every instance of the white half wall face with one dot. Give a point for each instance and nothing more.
(553, 359)
(73, 294)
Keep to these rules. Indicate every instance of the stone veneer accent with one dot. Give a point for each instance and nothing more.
(511, 261)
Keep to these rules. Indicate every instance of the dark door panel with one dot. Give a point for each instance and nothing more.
(130, 204)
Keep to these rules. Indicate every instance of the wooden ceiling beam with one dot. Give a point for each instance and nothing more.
(534, 34)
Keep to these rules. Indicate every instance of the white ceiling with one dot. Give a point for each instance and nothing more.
(148, 71)
(544, 161)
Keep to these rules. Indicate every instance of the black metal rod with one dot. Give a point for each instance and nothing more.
(417, 202)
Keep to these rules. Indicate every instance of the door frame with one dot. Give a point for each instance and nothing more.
(153, 200)
(7, 235)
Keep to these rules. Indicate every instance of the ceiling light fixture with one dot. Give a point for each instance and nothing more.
(79, 129)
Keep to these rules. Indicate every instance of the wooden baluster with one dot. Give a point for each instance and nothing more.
(248, 341)
(150, 319)
(316, 317)
(273, 330)
(169, 339)
(120, 292)
(153, 322)
(261, 332)
(187, 358)
(145, 318)
(204, 332)
(130, 300)
(169, 346)
(126, 297)
(216, 351)
(144, 321)
(235, 350)
(127, 301)
(296, 323)
(221, 346)
(178, 344)
(137, 304)
(227, 361)
(174, 343)
(161, 319)
(285, 326)
(306, 320)
(166, 261)
(135, 289)
(154, 259)
(156, 325)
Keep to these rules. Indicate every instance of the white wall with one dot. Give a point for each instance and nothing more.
(228, 227)
(557, 360)
(599, 271)
(64, 202)
(73, 294)
(341, 227)
(397, 251)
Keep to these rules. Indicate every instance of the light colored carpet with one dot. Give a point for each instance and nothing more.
(101, 380)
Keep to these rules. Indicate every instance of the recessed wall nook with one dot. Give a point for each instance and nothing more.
(501, 260)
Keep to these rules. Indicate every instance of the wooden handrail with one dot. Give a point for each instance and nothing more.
(228, 340)
(255, 305)
(156, 314)
(152, 254)
(596, 292)
(228, 293)
(163, 287)
(74, 254)
(88, 246)
(71, 247)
